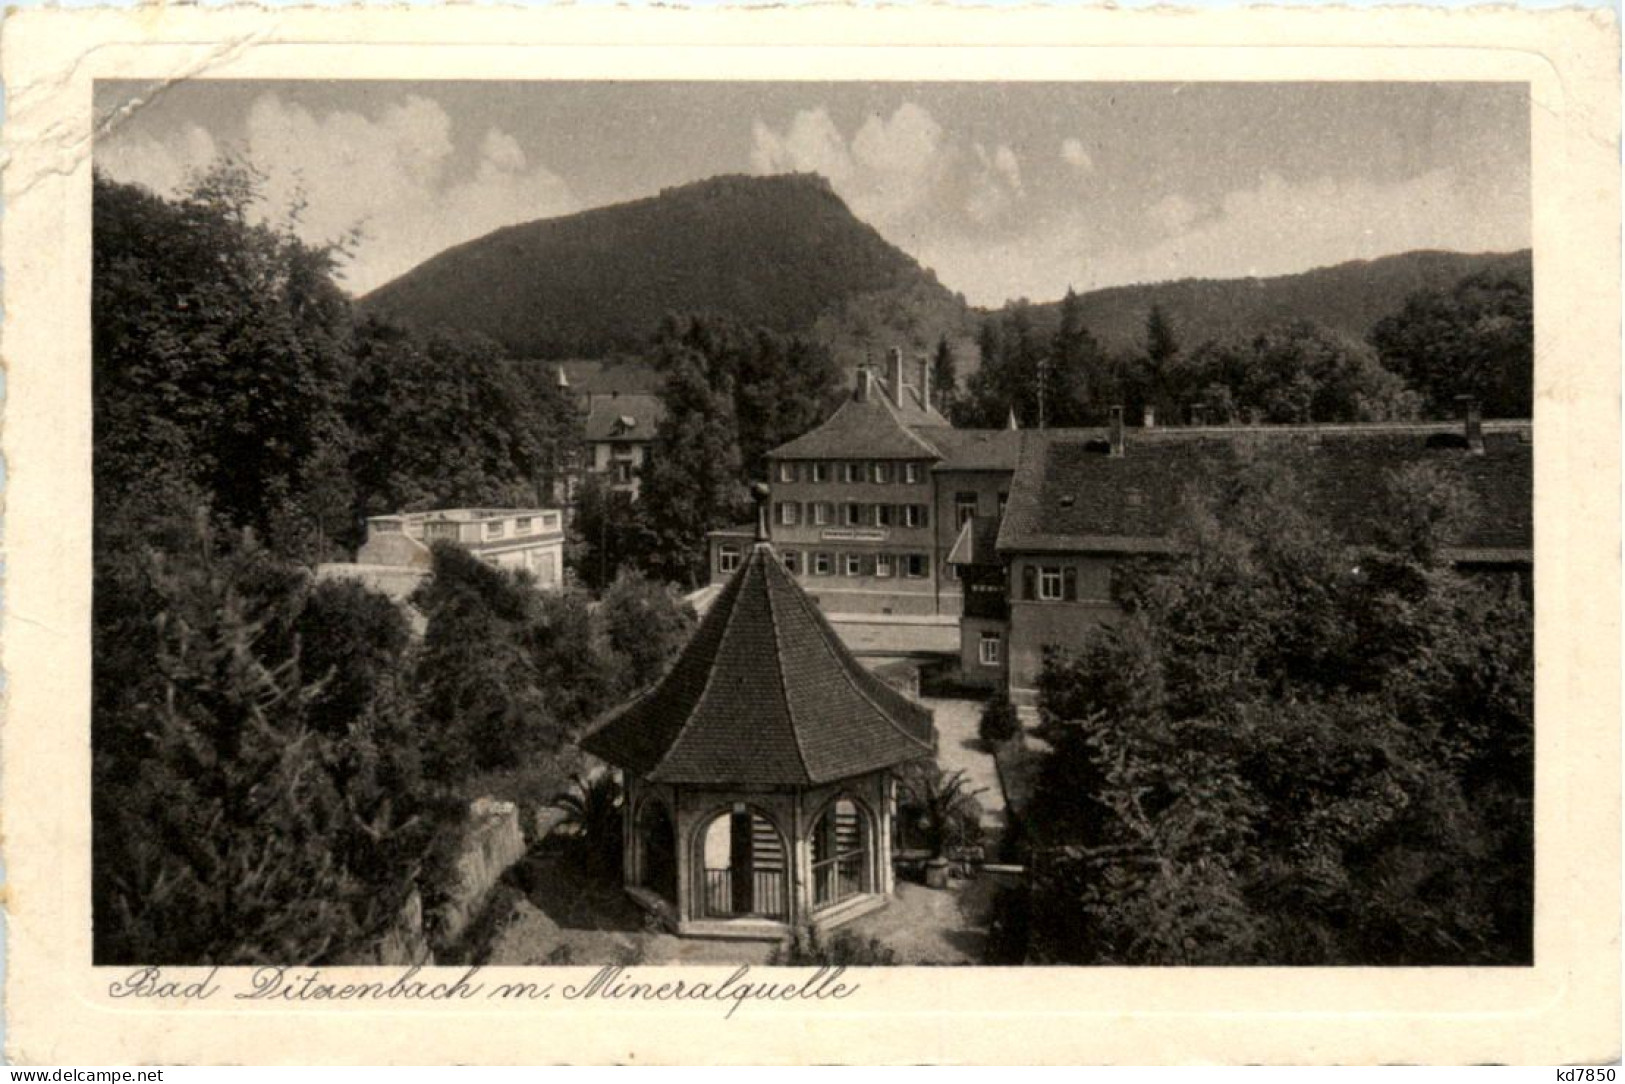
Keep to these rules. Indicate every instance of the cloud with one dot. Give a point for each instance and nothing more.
(1073, 154)
(1173, 213)
(396, 174)
(996, 187)
(889, 172)
(1273, 227)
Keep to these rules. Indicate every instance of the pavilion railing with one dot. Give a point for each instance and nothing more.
(767, 898)
(838, 878)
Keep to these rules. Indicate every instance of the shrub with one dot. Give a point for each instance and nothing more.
(805, 948)
(999, 722)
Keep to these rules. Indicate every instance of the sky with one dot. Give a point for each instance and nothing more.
(1005, 190)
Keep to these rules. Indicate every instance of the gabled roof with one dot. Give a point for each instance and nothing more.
(764, 694)
(628, 418)
(1068, 495)
(868, 428)
(976, 449)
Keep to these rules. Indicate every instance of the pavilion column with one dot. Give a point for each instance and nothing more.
(801, 903)
(885, 815)
(629, 829)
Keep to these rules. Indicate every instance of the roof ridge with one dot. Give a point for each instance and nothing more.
(828, 638)
(779, 655)
(896, 416)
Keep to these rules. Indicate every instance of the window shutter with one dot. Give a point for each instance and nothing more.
(1029, 582)
(925, 515)
(1069, 584)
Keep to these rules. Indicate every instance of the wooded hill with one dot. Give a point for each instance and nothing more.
(1346, 297)
(784, 253)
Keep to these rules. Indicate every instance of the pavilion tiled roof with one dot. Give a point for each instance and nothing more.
(1069, 495)
(764, 694)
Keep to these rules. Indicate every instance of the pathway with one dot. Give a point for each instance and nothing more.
(958, 748)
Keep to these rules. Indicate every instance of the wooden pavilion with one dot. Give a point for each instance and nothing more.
(759, 769)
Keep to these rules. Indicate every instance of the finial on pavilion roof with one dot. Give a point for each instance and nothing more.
(759, 492)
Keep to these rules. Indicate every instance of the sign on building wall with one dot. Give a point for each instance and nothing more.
(853, 534)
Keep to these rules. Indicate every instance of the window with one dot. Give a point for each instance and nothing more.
(820, 472)
(964, 507)
(792, 562)
(820, 513)
(727, 558)
(885, 515)
(788, 513)
(882, 473)
(916, 515)
(854, 514)
(787, 472)
(854, 564)
(440, 530)
(1004, 499)
(988, 650)
(918, 565)
(883, 565)
(623, 472)
(822, 564)
(911, 473)
(1049, 585)
(853, 472)
(522, 525)
(495, 530)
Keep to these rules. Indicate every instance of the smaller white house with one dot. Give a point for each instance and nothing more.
(619, 431)
(527, 538)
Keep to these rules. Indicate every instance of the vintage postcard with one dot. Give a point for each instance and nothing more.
(811, 536)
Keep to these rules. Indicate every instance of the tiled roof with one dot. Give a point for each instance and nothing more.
(764, 694)
(869, 428)
(976, 449)
(1069, 495)
(608, 418)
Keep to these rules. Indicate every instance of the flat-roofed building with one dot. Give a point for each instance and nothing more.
(516, 538)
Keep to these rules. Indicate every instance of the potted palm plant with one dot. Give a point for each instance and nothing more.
(946, 814)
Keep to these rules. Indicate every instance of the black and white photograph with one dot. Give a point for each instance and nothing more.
(851, 523)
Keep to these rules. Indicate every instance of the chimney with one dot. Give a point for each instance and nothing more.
(894, 374)
(1117, 431)
(865, 385)
(1150, 417)
(925, 383)
(1198, 413)
(1472, 415)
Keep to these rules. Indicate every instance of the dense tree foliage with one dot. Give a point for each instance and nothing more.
(252, 802)
(1295, 374)
(444, 421)
(220, 362)
(1293, 750)
(278, 762)
(1476, 339)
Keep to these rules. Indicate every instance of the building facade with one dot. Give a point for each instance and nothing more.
(865, 508)
(514, 538)
(1081, 506)
(618, 435)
